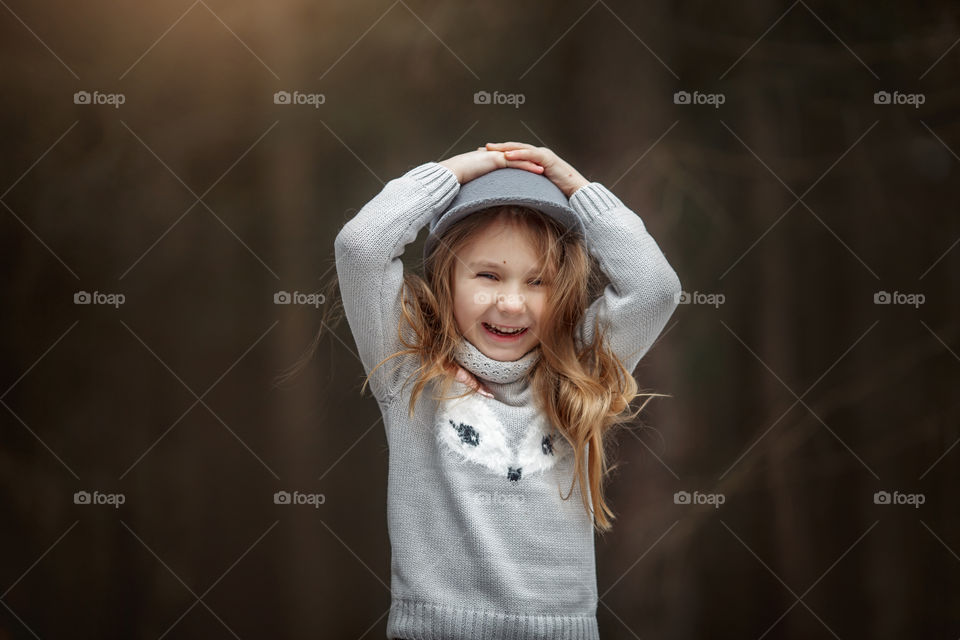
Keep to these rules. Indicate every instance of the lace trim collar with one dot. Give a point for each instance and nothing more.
(500, 371)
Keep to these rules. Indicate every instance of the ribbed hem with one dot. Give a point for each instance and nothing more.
(435, 178)
(594, 199)
(429, 621)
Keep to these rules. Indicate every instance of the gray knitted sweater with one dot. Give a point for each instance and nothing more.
(483, 545)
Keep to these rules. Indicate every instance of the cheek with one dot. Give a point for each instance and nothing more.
(536, 304)
(463, 307)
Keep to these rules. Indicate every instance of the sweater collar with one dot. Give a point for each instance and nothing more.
(499, 371)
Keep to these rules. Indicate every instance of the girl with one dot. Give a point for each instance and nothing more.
(485, 544)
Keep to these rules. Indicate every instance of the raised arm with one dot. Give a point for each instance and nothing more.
(370, 269)
(643, 287)
(642, 293)
(369, 246)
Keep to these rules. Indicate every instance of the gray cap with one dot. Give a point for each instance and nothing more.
(505, 186)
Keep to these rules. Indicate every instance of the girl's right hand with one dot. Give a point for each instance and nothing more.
(474, 164)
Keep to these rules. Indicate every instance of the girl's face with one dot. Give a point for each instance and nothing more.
(495, 283)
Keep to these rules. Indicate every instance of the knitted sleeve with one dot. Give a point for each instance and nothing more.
(643, 287)
(370, 270)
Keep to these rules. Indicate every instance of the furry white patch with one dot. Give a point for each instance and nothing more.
(470, 428)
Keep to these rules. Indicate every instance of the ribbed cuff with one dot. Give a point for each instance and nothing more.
(435, 178)
(594, 200)
(412, 619)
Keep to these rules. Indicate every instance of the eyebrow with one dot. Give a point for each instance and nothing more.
(493, 265)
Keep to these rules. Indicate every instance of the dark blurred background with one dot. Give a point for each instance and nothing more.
(807, 176)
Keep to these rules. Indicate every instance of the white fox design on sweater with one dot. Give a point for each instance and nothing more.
(468, 428)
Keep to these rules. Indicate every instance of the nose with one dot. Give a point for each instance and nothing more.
(509, 301)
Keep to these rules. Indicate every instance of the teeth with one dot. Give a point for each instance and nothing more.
(504, 329)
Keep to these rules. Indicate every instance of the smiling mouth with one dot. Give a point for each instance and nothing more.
(495, 331)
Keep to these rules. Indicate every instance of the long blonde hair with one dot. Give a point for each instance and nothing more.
(585, 393)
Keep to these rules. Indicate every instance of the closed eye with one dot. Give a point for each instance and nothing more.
(535, 282)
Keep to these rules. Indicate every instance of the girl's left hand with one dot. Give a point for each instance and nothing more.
(567, 179)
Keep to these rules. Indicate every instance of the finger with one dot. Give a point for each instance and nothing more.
(530, 155)
(524, 164)
(468, 379)
(522, 153)
(509, 145)
(527, 155)
(464, 377)
(478, 385)
(503, 146)
(472, 382)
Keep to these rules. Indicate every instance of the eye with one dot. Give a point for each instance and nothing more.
(538, 282)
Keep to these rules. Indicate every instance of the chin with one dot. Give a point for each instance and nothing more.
(506, 353)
